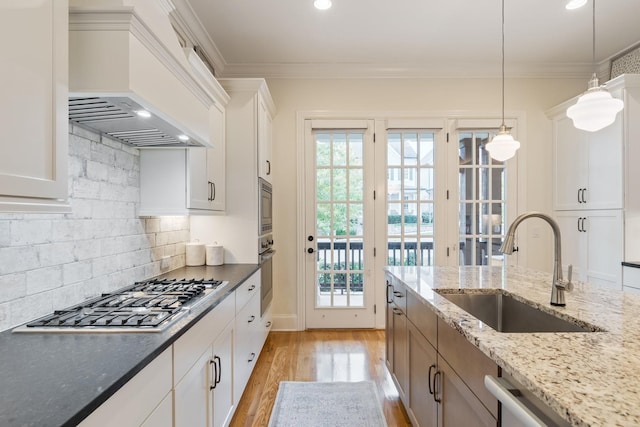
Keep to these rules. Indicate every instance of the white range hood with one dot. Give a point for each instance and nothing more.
(124, 57)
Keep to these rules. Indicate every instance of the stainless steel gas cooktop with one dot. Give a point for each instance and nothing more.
(149, 306)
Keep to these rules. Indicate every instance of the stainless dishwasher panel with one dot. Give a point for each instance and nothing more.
(519, 407)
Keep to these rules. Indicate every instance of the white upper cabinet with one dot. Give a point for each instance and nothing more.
(33, 105)
(265, 165)
(595, 178)
(252, 109)
(588, 165)
(185, 181)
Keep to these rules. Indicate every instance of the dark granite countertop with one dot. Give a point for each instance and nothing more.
(58, 379)
(635, 264)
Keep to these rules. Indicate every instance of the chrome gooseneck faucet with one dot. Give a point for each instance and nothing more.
(558, 285)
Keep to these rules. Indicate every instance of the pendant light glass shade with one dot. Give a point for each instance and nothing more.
(595, 109)
(502, 147)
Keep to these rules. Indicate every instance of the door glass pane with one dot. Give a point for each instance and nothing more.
(340, 219)
(323, 192)
(482, 200)
(339, 149)
(410, 197)
(355, 184)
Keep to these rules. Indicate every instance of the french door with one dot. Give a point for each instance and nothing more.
(424, 194)
(339, 224)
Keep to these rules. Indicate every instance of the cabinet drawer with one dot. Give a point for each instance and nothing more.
(458, 351)
(195, 341)
(249, 288)
(423, 318)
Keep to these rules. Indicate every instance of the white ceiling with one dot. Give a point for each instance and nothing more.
(406, 38)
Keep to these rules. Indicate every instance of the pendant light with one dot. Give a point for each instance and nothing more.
(596, 108)
(502, 147)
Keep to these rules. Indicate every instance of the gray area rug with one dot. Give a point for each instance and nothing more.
(327, 404)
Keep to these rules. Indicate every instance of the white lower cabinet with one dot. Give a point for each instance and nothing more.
(140, 401)
(207, 369)
(222, 379)
(592, 241)
(249, 333)
(204, 396)
(162, 416)
(203, 361)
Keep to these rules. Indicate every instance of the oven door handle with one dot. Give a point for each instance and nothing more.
(266, 256)
(501, 390)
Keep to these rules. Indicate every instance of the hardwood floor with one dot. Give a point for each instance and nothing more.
(327, 355)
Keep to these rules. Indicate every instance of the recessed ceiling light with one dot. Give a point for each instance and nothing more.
(183, 138)
(143, 113)
(574, 4)
(322, 4)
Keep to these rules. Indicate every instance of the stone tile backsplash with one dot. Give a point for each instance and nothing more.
(50, 261)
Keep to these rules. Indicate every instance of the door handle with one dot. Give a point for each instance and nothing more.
(430, 385)
(213, 191)
(579, 195)
(584, 198)
(435, 389)
(389, 286)
(268, 167)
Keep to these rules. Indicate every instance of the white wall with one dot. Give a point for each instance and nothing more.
(529, 96)
(51, 261)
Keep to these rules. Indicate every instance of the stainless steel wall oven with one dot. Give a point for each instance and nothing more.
(265, 207)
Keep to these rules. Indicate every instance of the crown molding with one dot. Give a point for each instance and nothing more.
(458, 70)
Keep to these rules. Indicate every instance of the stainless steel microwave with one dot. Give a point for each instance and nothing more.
(265, 207)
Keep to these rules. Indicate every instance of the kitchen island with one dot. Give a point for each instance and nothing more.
(589, 379)
(58, 379)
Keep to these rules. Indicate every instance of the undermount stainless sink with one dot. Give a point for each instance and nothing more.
(504, 313)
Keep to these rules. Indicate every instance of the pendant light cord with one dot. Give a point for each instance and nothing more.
(503, 63)
(593, 44)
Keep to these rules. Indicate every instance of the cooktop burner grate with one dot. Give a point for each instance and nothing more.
(145, 306)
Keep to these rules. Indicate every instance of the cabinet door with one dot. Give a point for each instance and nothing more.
(389, 327)
(198, 187)
(400, 352)
(162, 416)
(264, 141)
(604, 231)
(459, 407)
(423, 359)
(191, 394)
(33, 106)
(592, 241)
(216, 160)
(570, 164)
(605, 168)
(573, 240)
(222, 378)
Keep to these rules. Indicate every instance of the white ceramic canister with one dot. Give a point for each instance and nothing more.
(195, 253)
(215, 254)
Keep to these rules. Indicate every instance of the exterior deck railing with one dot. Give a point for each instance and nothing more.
(356, 258)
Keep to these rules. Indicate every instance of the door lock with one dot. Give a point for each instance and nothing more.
(310, 238)
(310, 250)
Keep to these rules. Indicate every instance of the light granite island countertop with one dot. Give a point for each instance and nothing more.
(590, 378)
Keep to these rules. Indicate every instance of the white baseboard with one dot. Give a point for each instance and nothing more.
(285, 322)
